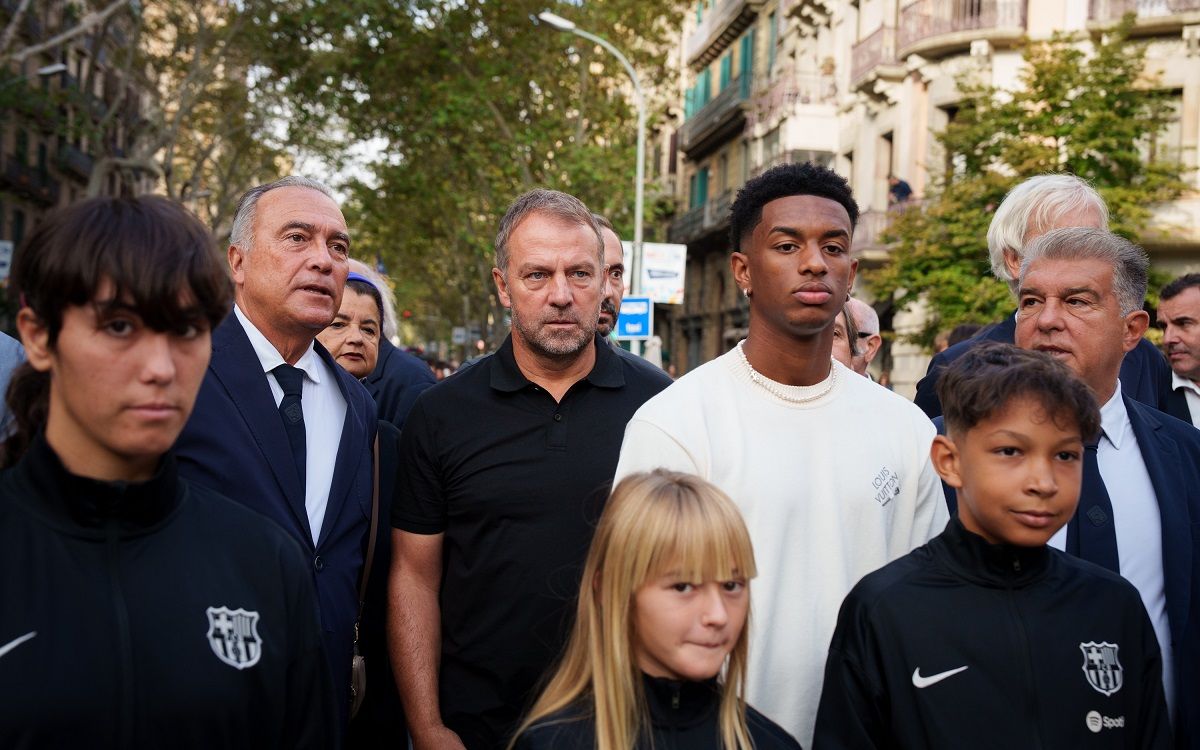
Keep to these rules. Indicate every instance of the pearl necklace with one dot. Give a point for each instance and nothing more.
(770, 386)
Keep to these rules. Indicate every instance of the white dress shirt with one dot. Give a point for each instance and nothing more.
(1191, 392)
(324, 417)
(1137, 521)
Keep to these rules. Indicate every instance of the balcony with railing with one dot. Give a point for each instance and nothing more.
(75, 162)
(712, 216)
(1170, 14)
(716, 121)
(874, 58)
(938, 27)
(718, 29)
(868, 243)
(29, 181)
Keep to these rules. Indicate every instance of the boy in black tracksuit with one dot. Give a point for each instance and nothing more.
(985, 637)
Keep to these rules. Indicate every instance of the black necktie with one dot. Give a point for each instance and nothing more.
(1092, 534)
(291, 380)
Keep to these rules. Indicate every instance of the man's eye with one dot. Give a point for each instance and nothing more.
(1007, 451)
(682, 587)
(1068, 456)
(834, 249)
(296, 237)
(536, 276)
(369, 332)
(732, 586)
(616, 273)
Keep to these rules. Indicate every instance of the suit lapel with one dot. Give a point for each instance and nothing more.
(1160, 453)
(236, 366)
(352, 449)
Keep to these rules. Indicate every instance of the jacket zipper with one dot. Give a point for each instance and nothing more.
(124, 642)
(1023, 639)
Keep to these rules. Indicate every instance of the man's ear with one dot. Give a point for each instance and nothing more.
(944, 456)
(35, 337)
(740, 265)
(501, 288)
(237, 261)
(1136, 324)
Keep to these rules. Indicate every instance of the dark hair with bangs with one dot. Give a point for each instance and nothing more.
(781, 182)
(989, 376)
(161, 260)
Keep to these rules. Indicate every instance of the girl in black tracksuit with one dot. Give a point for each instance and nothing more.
(138, 610)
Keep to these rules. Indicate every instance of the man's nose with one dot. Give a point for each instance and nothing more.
(812, 260)
(560, 291)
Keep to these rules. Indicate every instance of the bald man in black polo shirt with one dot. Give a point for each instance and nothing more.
(504, 470)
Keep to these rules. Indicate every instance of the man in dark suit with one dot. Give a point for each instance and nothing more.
(1032, 208)
(278, 425)
(1179, 316)
(1080, 299)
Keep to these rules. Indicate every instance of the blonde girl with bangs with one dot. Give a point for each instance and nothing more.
(657, 655)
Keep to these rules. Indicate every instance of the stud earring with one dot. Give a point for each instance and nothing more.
(746, 293)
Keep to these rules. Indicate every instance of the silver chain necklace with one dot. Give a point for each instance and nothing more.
(771, 387)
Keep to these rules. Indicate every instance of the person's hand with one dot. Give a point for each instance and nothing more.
(437, 738)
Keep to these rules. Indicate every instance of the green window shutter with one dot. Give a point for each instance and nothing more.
(726, 70)
(702, 186)
(773, 25)
(747, 73)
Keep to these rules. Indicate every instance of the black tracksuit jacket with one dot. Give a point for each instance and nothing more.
(683, 715)
(152, 615)
(962, 644)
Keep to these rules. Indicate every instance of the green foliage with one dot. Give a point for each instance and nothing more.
(1081, 109)
(473, 104)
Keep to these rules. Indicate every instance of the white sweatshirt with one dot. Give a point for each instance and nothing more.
(831, 490)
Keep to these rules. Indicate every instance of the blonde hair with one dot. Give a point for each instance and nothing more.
(654, 523)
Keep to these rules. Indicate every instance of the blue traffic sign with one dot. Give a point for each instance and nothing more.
(636, 321)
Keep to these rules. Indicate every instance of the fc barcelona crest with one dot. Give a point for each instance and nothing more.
(1101, 666)
(233, 635)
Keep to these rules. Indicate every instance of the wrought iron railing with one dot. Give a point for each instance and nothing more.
(877, 49)
(931, 18)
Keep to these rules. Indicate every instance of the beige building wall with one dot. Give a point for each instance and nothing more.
(864, 86)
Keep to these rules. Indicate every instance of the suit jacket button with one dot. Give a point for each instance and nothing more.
(318, 563)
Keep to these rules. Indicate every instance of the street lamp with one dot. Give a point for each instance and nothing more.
(43, 72)
(562, 24)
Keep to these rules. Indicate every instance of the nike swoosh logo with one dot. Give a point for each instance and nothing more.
(16, 642)
(924, 682)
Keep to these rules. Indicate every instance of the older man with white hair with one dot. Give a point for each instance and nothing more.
(1032, 208)
(866, 325)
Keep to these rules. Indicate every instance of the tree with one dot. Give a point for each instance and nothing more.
(1088, 110)
(174, 106)
(472, 105)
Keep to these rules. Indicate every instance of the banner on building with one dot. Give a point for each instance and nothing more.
(663, 268)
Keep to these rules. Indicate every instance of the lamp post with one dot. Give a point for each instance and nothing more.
(635, 267)
(43, 72)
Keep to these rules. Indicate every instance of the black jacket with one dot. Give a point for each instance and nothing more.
(683, 714)
(396, 381)
(155, 614)
(964, 644)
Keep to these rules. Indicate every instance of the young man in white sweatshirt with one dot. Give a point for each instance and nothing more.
(831, 472)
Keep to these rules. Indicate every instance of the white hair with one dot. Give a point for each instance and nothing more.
(242, 234)
(1033, 207)
(865, 317)
(385, 291)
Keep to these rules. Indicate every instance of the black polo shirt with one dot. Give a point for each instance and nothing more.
(516, 483)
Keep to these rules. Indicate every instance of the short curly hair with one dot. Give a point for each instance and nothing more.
(989, 376)
(781, 182)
